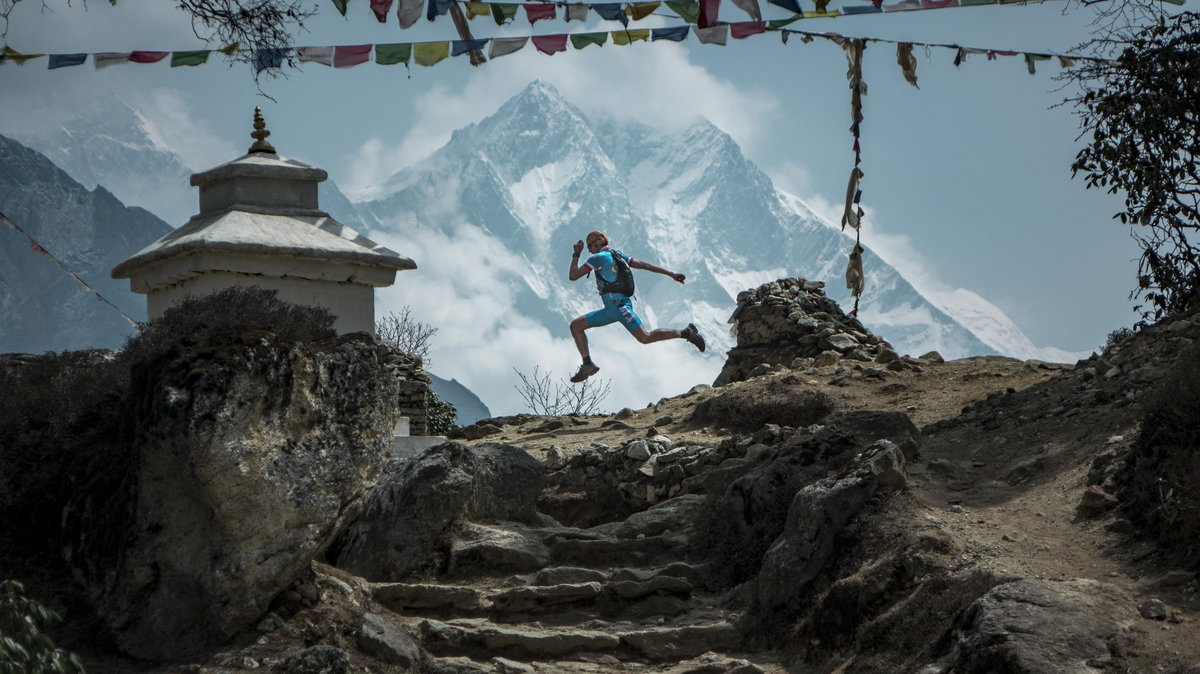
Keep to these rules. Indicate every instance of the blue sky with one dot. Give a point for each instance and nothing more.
(967, 183)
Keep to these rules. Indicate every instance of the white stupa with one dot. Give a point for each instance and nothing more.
(259, 224)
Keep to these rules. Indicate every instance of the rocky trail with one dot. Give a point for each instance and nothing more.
(831, 507)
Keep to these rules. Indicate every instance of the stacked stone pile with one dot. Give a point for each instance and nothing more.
(413, 389)
(786, 322)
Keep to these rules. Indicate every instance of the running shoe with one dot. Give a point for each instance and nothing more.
(691, 334)
(588, 369)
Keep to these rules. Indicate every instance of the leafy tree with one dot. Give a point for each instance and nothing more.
(23, 645)
(440, 415)
(1143, 116)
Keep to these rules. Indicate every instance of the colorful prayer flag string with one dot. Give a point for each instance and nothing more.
(39, 249)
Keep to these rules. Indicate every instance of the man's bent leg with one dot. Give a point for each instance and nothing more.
(652, 336)
(581, 342)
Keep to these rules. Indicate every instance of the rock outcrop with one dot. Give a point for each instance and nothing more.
(250, 456)
(789, 319)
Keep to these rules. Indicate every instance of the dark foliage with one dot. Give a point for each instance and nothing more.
(751, 408)
(1162, 480)
(62, 413)
(237, 309)
(441, 415)
(1143, 115)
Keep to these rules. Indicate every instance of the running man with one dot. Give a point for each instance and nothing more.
(617, 306)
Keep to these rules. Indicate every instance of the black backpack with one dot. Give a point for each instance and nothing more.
(623, 285)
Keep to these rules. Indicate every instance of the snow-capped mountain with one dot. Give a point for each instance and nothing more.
(110, 144)
(89, 231)
(538, 174)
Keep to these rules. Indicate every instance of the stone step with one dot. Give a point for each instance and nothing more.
(603, 552)
(403, 597)
(477, 637)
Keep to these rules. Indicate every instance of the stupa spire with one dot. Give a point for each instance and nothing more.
(260, 134)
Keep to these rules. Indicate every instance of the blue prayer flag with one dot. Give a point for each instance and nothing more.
(613, 11)
(64, 60)
(459, 47)
(790, 5)
(677, 34)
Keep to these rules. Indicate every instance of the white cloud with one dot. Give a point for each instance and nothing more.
(168, 117)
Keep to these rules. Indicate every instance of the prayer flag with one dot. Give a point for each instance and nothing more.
(345, 56)
(147, 56)
(744, 29)
(907, 62)
(821, 15)
(612, 11)
(504, 12)
(641, 10)
(1030, 59)
(10, 54)
(712, 34)
(341, 6)
(66, 60)
(322, 55)
(459, 47)
(475, 9)
(688, 10)
(265, 58)
(860, 9)
(228, 50)
(539, 11)
(938, 4)
(391, 54)
(904, 6)
(709, 9)
(503, 46)
(676, 34)
(576, 12)
(109, 58)
(973, 3)
(790, 5)
(429, 53)
(550, 44)
(189, 58)
(776, 24)
(581, 40)
(37, 248)
(750, 7)
(381, 9)
(409, 11)
(437, 8)
(624, 37)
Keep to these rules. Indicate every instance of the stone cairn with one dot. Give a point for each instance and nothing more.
(791, 323)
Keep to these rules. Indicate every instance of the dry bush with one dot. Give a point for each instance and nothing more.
(1162, 480)
(751, 408)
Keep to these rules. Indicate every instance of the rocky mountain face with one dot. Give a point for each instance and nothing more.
(89, 231)
(539, 174)
(943, 516)
(467, 406)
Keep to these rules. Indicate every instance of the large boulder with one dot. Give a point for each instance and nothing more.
(816, 515)
(1043, 626)
(408, 512)
(251, 454)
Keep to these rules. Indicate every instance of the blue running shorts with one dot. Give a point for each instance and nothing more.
(617, 309)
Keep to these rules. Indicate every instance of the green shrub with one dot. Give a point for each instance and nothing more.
(1162, 481)
(441, 416)
(23, 645)
(1116, 337)
(750, 408)
(236, 309)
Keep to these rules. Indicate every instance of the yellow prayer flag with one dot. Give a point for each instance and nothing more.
(230, 50)
(10, 54)
(624, 37)
(641, 10)
(429, 53)
(475, 9)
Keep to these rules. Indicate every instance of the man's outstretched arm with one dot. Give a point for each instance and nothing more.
(641, 264)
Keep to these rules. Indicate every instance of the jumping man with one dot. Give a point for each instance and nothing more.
(617, 306)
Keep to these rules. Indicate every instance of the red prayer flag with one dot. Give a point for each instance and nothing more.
(148, 56)
(708, 13)
(381, 8)
(938, 4)
(878, 3)
(351, 55)
(38, 249)
(550, 44)
(539, 11)
(743, 29)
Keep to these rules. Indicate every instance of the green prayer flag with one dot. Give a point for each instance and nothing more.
(504, 12)
(688, 10)
(776, 24)
(341, 6)
(581, 40)
(189, 58)
(429, 53)
(391, 54)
